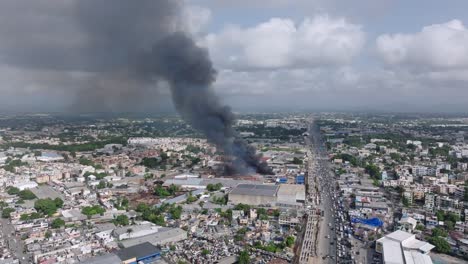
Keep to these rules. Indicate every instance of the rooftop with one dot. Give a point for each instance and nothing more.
(255, 189)
(104, 259)
(138, 251)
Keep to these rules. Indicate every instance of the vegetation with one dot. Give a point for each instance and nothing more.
(12, 190)
(441, 245)
(214, 187)
(163, 192)
(297, 161)
(6, 212)
(69, 148)
(27, 195)
(121, 220)
(48, 206)
(221, 200)
(57, 223)
(93, 210)
(373, 171)
(244, 257)
(290, 241)
(31, 216)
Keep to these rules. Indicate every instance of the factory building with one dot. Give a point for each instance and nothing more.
(401, 247)
(289, 195)
(254, 194)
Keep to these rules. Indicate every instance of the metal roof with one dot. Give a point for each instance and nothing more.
(104, 259)
(255, 189)
(138, 251)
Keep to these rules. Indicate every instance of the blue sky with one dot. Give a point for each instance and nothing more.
(270, 54)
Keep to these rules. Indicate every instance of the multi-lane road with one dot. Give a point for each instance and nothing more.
(325, 239)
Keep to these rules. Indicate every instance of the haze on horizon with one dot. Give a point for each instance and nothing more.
(378, 55)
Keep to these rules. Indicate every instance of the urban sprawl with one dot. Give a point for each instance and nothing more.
(346, 188)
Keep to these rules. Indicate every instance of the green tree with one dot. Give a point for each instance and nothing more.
(420, 227)
(57, 223)
(27, 195)
(86, 162)
(176, 212)
(205, 252)
(92, 210)
(12, 190)
(6, 212)
(297, 161)
(161, 192)
(58, 202)
(46, 206)
(101, 185)
(48, 234)
(439, 232)
(290, 241)
(244, 257)
(440, 215)
(121, 220)
(373, 171)
(441, 245)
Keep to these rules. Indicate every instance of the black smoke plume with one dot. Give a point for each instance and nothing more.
(146, 40)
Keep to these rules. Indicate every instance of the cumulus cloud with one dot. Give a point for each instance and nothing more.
(438, 46)
(282, 43)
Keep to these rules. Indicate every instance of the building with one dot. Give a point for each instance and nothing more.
(164, 236)
(401, 247)
(407, 224)
(291, 193)
(429, 201)
(141, 253)
(254, 194)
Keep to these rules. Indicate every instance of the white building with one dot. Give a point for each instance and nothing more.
(401, 247)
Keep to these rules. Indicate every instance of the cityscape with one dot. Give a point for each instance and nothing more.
(233, 132)
(344, 188)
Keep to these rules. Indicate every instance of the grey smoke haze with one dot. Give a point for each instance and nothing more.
(136, 44)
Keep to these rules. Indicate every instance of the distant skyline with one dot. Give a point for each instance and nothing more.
(363, 55)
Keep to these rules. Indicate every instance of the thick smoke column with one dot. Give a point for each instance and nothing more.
(171, 55)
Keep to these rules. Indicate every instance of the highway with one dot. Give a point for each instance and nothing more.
(324, 238)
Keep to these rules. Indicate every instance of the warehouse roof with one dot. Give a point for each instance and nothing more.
(138, 251)
(255, 189)
(104, 259)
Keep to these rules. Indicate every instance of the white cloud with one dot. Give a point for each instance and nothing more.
(196, 18)
(281, 43)
(441, 46)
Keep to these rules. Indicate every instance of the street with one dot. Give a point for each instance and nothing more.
(326, 238)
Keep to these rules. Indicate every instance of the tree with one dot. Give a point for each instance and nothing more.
(92, 210)
(440, 215)
(101, 185)
(244, 257)
(297, 161)
(121, 220)
(176, 212)
(420, 227)
(27, 195)
(86, 162)
(58, 202)
(48, 234)
(57, 223)
(441, 245)
(46, 206)
(449, 224)
(205, 252)
(12, 190)
(214, 187)
(439, 232)
(160, 191)
(373, 171)
(290, 241)
(6, 212)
